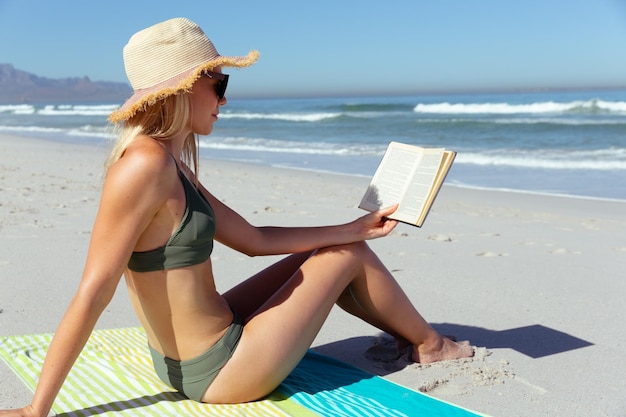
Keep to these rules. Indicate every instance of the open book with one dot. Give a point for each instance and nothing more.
(411, 176)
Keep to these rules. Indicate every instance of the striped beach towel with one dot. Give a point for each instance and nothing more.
(114, 376)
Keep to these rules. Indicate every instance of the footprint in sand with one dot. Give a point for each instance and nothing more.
(432, 385)
(385, 354)
(270, 209)
(383, 349)
(562, 251)
(490, 254)
(440, 238)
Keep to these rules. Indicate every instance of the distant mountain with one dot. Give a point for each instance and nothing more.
(22, 87)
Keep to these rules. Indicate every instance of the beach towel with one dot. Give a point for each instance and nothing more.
(114, 376)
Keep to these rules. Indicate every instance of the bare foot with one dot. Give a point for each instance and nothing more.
(443, 349)
(402, 343)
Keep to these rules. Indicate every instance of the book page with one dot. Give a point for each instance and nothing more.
(419, 187)
(391, 178)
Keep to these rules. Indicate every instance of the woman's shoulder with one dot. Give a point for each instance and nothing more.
(144, 163)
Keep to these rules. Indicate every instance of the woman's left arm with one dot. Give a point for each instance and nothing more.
(236, 232)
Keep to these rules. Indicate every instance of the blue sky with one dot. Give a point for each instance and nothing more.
(341, 47)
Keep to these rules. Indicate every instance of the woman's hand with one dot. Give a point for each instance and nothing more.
(376, 224)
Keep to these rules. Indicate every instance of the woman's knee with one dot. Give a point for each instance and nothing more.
(355, 250)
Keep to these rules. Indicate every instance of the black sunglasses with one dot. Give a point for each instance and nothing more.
(222, 82)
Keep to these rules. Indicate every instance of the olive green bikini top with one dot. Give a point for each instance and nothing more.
(190, 244)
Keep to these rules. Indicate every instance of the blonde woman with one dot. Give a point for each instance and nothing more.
(156, 225)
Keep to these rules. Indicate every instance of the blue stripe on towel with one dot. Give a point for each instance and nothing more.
(334, 388)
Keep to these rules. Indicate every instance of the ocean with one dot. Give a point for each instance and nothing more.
(567, 143)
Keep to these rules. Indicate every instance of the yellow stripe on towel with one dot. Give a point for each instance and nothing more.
(114, 374)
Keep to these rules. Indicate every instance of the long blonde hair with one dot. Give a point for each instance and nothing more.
(161, 120)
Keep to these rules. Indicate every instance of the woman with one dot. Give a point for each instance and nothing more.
(156, 225)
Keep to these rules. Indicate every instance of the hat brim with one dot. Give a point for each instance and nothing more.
(145, 97)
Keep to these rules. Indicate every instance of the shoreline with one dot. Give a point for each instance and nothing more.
(533, 281)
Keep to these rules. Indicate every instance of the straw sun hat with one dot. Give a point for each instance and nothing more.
(166, 59)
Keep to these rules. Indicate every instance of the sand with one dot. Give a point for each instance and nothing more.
(535, 282)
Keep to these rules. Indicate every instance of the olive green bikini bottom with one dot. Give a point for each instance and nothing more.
(192, 377)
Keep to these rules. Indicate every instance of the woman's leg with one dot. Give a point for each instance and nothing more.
(251, 294)
(278, 335)
(248, 296)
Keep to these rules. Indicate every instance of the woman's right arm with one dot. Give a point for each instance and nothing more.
(131, 196)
